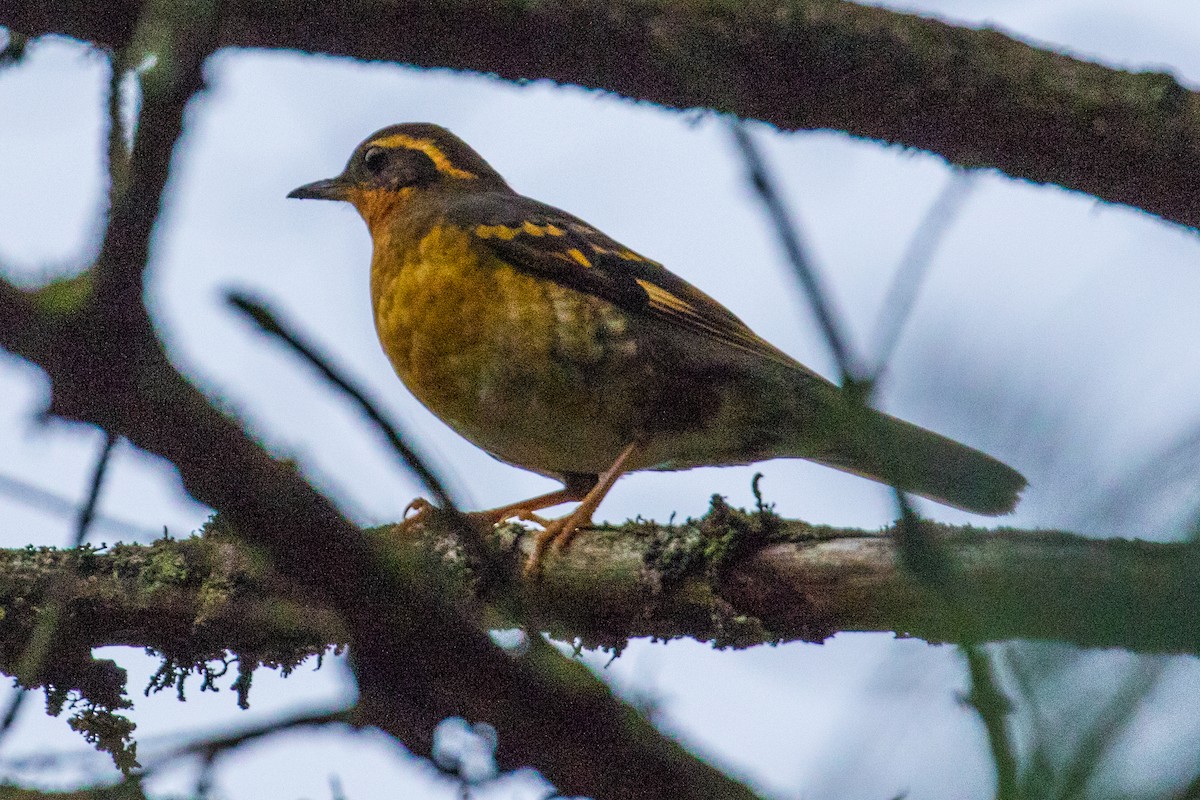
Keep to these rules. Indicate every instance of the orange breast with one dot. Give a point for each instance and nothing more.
(539, 375)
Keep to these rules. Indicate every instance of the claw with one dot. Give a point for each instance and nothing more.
(419, 505)
(422, 508)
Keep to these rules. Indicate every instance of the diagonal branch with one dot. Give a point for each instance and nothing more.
(786, 228)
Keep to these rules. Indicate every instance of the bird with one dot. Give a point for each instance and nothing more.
(559, 350)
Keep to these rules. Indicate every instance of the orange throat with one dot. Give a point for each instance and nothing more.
(377, 206)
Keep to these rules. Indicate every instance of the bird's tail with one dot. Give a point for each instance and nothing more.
(920, 461)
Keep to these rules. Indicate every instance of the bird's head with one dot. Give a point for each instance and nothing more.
(394, 163)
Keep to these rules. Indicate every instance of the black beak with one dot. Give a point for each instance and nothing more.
(328, 189)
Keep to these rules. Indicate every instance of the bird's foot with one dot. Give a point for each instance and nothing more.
(419, 512)
(556, 533)
(422, 510)
(498, 515)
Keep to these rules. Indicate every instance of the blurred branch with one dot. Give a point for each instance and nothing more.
(732, 578)
(993, 708)
(930, 566)
(918, 257)
(14, 48)
(43, 630)
(266, 320)
(213, 746)
(179, 37)
(934, 566)
(1113, 722)
(978, 98)
(34, 496)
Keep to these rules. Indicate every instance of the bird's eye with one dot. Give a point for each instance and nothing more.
(375, 159)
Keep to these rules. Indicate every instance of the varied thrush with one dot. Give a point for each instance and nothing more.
(557, 349)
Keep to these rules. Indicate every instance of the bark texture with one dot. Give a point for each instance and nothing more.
(978, 98)
(733, 578)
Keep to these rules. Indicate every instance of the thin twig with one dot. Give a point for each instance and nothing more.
(118, 133)
(182, 38)
(797, 256)
(1106, 728)
(36, 497)
(930, 565)
(88, 512)
(1035, 776)
(270, 323)
(993, 708)
(494, 574)
(211, 748)
(341, 716)
(918, 551)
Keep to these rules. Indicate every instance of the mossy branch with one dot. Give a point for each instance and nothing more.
(978, 98)
(732, 578)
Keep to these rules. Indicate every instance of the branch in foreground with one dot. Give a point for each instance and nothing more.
(977, 97)
(732, 578)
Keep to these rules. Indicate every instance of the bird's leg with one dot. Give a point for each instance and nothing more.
(576, 487)
(561, 531)
(573, 492)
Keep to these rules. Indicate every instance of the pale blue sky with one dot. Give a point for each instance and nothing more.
(1053, 331)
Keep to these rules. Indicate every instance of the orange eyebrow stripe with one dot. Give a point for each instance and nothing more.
(429, 148)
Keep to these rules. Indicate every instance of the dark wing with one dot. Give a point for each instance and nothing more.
(542, 240)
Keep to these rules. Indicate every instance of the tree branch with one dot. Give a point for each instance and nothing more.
(976, 97)
(731, 578)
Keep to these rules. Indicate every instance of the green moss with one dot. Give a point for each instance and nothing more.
(164, 567)
(674, 553)
(691, 558)
(107, 731)
(739, 631)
